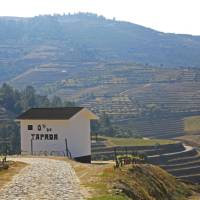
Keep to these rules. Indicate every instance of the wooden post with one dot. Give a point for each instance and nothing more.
(115, 155)
(126, 151)
(31, 146)
(96, 137)
(66, 146)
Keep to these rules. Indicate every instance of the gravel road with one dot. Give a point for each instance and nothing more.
(43, 179)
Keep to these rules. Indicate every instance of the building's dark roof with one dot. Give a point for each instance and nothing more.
(50, 113)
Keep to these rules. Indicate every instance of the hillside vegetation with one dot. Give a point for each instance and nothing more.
(141, 182)
(137, 181)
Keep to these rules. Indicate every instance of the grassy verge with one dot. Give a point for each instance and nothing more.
(192, 124)
(135, 141)
(142, 181)
(96, 178)
(6, 175)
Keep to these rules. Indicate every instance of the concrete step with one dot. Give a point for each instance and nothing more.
(165, 158)
(98, 144)
(194, 178)
(166, 136)
(185, 171)
(161, 149)
(182, 165)
(183, 160)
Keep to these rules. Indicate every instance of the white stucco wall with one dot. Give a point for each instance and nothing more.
(76, 130)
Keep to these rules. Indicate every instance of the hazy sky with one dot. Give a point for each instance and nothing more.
(177, 16)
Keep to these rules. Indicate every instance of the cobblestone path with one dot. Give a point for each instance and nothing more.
(43, 179)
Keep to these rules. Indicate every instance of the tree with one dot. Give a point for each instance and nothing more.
(9, 98)
(28, 98)
(69, 104)
(56, 102)
(43, 101)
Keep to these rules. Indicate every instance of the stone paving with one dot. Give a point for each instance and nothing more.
(43, 179)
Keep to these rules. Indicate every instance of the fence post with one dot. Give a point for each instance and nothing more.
(31, 146)
(96, 137)
(66, 146)
(126, 151)
(69, 155)
(115, 155)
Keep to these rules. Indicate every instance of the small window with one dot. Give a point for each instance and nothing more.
(30, 127)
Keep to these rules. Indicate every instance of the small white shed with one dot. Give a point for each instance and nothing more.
(57, 131)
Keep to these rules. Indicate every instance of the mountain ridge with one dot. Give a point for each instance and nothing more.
(61, 39)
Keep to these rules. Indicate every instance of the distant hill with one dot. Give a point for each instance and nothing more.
(59, 40)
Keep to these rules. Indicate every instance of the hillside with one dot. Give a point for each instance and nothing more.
(137, 181)
(132, 182)
(92, 61)
(27, 43)
(140, 97)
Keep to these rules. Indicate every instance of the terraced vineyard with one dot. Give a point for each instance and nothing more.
(152, 101)
(182, 164)
(179, 160)
(123, 88)
(165, 128)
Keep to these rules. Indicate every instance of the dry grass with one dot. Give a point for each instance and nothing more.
(90, 177)
(192, 140)
(194, 197)
(97, 178)
(100, 180)
(6, 175)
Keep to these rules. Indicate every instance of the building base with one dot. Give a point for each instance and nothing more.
(83, 159)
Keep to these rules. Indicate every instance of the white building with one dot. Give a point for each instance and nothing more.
(57, 131)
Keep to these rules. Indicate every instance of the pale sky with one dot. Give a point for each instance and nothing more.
(176, 16)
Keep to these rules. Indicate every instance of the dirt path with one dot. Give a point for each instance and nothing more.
(43, 179)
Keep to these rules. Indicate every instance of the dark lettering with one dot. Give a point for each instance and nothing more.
(48, 129)
(41, 136)
(51, 136)
(55, 137)
(37, 137)
(46, 137)
(39, 127)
